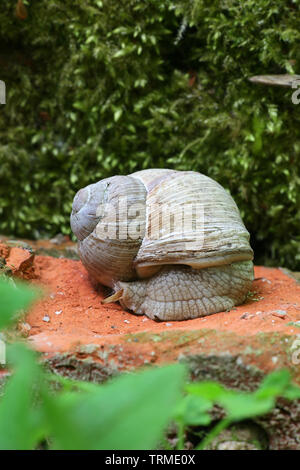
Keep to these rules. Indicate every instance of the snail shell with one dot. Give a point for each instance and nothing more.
(170, 243)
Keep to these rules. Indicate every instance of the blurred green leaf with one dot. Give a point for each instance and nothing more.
(207, 390)
(14, 297)
(244, 406)
(128, 413)
(117, 114)
(21, 424)
(274, 384)
(193, 411)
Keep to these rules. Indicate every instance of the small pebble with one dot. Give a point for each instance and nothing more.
(25, 326)
(89, 348)
(126, 321)
(145, 319)
(58, 312)
(46, 318)
(246, 316)
(168, 324)
(279, 313)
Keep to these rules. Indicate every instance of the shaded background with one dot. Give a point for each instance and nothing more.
(96, 88)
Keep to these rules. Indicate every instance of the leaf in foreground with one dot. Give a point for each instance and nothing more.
(19, 422)
(129, 413)
(14, 297)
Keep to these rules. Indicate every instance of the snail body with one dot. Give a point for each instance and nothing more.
(171, 244)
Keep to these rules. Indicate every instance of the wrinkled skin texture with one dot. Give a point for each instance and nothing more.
(181, 292)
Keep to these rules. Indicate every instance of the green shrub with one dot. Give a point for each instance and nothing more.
(97, 88)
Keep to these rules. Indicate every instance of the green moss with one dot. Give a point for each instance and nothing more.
(177, 337)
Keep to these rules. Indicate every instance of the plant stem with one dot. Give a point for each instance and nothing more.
(180, 443)
(223, 424)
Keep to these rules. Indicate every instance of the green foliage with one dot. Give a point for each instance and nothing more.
(246, 405)
(14, 297)
(97, 88)
(241, 405)
(21, 422)
(130, 412)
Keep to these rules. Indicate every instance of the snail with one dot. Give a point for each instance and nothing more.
(171, 244)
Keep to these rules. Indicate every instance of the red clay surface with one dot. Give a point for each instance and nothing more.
(71, 314)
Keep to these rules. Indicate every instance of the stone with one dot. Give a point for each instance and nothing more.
(240, 436)
(20, 261)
